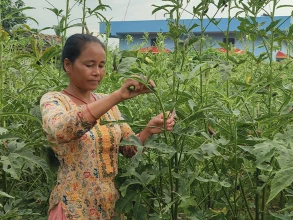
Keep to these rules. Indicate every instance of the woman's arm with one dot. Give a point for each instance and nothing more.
(96, 109)
(61, 123)
(156, 126)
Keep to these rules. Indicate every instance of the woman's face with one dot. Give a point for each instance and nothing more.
(87, 71)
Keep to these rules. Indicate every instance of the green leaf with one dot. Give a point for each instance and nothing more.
(159, 8)
(126, 64)
(56, 11)
(133, 140)
(186, 201)
(191, 104)
(73, 25)
(146, 178)
(225, 183)
(192, 27)
(286, 216)
(236, 112)
(50, 52)
(100, 7)
(208, 178)
(196, 69)
(14, 162)
(201, 179)
(135, 160)
(197, 154)
(263, 151)
(4, 194)
(11, 165)
(125, 204)
(285, 157)
(265, 167)
(38, 161)
(126, 184)
(282, 179)
(272, 25)
(139, 211)
(15, 146)
(162, 147)
(21, 114)
(3, 130)
(285, 6)
(209, 150)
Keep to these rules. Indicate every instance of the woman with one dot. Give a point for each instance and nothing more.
(87, 150)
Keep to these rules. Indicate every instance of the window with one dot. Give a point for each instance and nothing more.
(153, 41)
(230, 40)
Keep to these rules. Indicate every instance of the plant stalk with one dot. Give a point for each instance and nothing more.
(83, 16)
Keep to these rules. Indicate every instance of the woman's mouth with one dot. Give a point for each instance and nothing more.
(94, 81)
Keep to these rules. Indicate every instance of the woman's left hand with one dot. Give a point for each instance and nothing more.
(156, 124)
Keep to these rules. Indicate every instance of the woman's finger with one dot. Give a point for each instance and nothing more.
(152, 84)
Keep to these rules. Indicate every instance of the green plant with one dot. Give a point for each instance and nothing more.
(229, 155)
(229, 106)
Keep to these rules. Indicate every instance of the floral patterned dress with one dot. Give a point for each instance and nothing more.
(88, 156)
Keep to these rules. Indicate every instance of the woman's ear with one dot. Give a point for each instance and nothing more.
(67, 65)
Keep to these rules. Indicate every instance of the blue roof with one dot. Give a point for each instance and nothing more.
(121, 28)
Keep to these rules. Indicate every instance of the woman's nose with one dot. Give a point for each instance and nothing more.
(96, 71)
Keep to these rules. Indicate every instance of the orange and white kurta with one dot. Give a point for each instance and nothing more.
(88, 155)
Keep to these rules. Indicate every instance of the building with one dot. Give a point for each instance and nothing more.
(120, 30)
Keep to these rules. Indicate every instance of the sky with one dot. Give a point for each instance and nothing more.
(120, 10)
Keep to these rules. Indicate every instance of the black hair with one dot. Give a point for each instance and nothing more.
(74, 46)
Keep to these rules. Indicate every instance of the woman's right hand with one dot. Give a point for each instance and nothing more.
(132, 88)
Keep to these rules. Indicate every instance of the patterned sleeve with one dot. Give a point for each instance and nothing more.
(60, 123)
(126, 132)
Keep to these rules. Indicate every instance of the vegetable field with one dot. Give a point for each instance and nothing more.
(230, 155)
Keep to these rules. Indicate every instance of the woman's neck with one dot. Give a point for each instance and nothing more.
(79, 96)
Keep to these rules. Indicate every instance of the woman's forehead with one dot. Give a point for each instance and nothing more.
(94, 50)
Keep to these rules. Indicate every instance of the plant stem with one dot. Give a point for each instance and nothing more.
(263, 202)
(270, 76)
(236, 163)
(171, 188)
(2, 77)
(257, 195)
(83, 15)
(67, 11)
(176, 182)
(226, 196)
(200, 61)
(245, 200)
(161, 178)
(170, 161)
(2, 73)
(282, 200)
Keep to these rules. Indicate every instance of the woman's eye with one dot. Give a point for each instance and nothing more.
(101, 66)
(89, 65)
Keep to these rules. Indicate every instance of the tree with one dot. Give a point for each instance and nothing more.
(10, 13)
